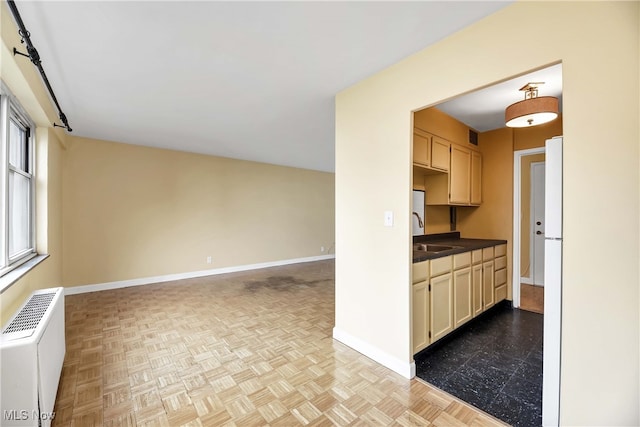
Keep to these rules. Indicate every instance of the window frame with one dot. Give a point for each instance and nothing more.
(11, 110)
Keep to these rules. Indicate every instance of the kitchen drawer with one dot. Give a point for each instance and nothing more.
(501, 277)
(461, 260)
(487, 254)
(501, 262)
(420, 271)
(501, 293)
(501, 250)
(440, 266)
(476, 256)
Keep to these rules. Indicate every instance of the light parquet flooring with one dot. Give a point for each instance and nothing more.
(240, 349)
(532, 298)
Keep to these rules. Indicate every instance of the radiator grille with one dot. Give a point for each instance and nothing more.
(31, 313)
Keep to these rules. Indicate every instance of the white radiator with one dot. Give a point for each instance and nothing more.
(32, 348)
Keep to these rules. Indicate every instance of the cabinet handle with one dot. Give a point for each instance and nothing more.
(538, 232)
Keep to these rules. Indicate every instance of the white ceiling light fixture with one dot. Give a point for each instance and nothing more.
(534, 110)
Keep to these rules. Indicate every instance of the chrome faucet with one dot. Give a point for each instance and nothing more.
(420, 223)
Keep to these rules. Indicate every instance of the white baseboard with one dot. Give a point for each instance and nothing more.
(406, 369)
(529, 281)
(73, 290)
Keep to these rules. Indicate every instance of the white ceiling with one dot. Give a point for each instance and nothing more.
(247, 80)
(483, 109)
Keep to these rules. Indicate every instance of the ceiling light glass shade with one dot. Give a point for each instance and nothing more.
(531, 112)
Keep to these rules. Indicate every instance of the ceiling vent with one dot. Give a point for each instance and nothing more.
(473, 137)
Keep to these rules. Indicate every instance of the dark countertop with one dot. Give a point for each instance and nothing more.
(450, 239)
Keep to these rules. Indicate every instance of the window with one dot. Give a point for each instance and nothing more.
(17, 184)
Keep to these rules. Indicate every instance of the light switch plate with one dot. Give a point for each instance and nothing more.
(388, 218)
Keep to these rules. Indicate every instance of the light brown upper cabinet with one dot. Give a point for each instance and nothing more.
(460, 175)
(430, 152)
(462, 186)
(440, 154)
(422, 148)
(476, 178)
(446, 163)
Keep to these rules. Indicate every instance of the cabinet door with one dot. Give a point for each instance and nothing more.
(487, 284)
(420, 315)
(441, 306)
(476, 178)
(501, 282)
(439, 154)
(476, 280)
(462, 296)
(460, 175)
(422, 149)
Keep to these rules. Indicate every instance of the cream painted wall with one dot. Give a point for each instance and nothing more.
(597, 43)
(24, 82)
(47, 274)
(133, 212)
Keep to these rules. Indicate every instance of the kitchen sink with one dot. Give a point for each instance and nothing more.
(432, 248)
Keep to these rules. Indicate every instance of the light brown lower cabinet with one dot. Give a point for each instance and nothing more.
(441, 306)
(488, 284)
(420, 305)
(463, 296)
(448, 292)
(501, 284)
(476, 280)
(501, 273)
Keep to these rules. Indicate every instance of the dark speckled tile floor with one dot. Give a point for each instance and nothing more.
(493, 363)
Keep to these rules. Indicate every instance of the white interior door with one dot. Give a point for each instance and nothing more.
(537, 223)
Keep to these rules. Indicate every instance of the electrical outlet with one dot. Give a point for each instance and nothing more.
(321, 248)
(208, 260)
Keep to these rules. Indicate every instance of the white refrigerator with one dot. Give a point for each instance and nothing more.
(552, 282)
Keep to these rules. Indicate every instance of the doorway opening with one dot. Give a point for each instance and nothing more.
(528, 279)
(525, 228)
(465, 362)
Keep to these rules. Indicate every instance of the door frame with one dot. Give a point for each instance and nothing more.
(532, 237)
(517, 183)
